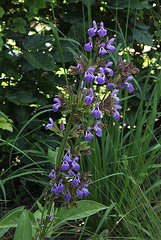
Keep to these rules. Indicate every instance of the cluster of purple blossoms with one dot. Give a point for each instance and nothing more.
(104, 46)
(70, 182)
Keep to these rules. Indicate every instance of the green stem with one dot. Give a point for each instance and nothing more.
(45, 229)
(63, 142)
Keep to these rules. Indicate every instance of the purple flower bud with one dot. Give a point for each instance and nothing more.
(76, 180)
(52, 174)
(92, 31)
(56, 105)
(89, 76)
(97, 129)
(89, 99)
(109, 85)
(102, 32)
(88, 46)
(71, 173)
(67, 157)
(65, 166)
(67, 195)
(88, 135)
(81, 85)
(75, 166)
(51, 216)
(49, 125)
(96, 112)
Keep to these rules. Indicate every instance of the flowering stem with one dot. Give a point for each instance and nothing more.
(63, 142)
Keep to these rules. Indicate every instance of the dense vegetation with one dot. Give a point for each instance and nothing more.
(33, 58)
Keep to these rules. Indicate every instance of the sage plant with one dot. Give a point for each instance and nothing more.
(84, 110)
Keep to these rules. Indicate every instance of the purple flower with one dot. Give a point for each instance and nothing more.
(89, 99)
(60, 187)
(96, 112)
(65, 166)
(109, 85)
(115, 91)
(92, 31)
(88, 46)
(52, 174)
(89, 76)
(76, 180)
(106, 69)
(71, 173)
(101, 79)
(115, 113)
(102, 50)
(97, 129)
(75, 166)
(102, 32)
(51, 216)
(79, 193)
(85, 191)
(55, 189)
(49, 125)
(109, 46)
(56, 105)
(67, 195)
(67, 157)
(127, 85)
(88, 135)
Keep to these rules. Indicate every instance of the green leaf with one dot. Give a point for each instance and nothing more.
(33, 7)
(13, 54)
(2, 12)
(3, 231)
(37, 41)
(84, 209)
(52, 156)
(4, 124)
(24, 228)
(142, 36)
(40, 60)
(19, 25)
(11, 219)
(1, 43)
(21, 97)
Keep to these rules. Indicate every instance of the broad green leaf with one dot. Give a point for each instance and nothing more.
(33, 7)
(24, 228)
(20, 97)
(84, 209)
(37, 41)
(2, 12)
(19, 25)
(142, 36)
(11, 219)
(4, 124)
(40, 60)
